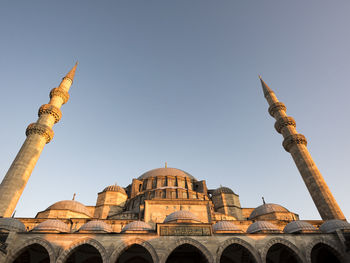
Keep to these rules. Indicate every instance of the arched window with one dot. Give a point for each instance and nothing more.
(32, 254)
(186, 254)
(321, 253)
(85, 254)
(279, 253)
(135, 254)
(236, 253)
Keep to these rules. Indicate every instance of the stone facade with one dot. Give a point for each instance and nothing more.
(166, 215)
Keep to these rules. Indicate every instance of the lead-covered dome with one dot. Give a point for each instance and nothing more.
(51, 225)
(71, 205)
(225, 226)
(222, 190)
(114, 188)
(136, 226)
(96, 226)
(12, 224)
(165, 172)
(331, 226)
(267, 209)
(299, 227)
(262, 226)
(181, 216)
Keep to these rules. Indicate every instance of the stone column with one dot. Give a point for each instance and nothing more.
(38, 134)
(295, 143)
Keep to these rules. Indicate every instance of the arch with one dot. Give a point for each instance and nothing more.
(240, 242)
(189, 241)
(13, 254)
(299, 256)
(128, 243)
(86, 241)
(332, 245)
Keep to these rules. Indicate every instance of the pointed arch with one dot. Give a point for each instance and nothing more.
(13, 254)
(188, 241)
(85, 241)
(240, 242)
(300, 257)
(321, 240)
(135, 241)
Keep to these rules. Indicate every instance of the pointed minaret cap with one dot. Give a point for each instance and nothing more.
(71, 73)
(265, 88)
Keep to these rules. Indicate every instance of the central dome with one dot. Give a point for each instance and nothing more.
(165, 172)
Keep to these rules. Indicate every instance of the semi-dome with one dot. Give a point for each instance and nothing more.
(165, 172)
(225, 226)
(12, 224)
(96, 226)
(137, 226)
(181, 215)
(262, 226)
(299, 227)
(222, 190)
(267, 209)
(114, 188)
(51, 225)
(331, 226)
(71, 205)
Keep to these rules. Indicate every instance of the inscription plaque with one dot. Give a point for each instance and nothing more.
(184, 231)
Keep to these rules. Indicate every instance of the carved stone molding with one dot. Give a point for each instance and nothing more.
(293, 139)
(296, 251)
(50, 109)
(61, 93)
(284, 122)
(84, 241)
(241, 242)
(13, 254)
(36, 128)
(276, 107)
(128, 243)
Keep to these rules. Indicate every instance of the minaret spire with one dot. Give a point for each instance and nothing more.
(38, 134)
(295, 143)
(71, 73)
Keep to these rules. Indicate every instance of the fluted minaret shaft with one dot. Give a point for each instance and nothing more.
(295, 143)
(38, 134)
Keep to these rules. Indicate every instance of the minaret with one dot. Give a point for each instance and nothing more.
(295, 144)
(38, 134)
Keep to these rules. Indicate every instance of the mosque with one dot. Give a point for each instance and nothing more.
(167, 215)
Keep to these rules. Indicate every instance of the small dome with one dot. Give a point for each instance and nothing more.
(114, 188)
(331, 226)
(225, 226)
(267, 209)
(136, 226)
(262, 226)
(181, 215)
(96, 226)
(51, 225)
(70, 205)
(299, 226)
(223, 190)
(12, 224)
(165, 172)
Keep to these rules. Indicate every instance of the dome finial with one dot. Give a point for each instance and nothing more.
(263, 200)
(166, 165)
(74, 196)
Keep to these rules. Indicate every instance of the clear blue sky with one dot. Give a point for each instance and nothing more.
(177, 81)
